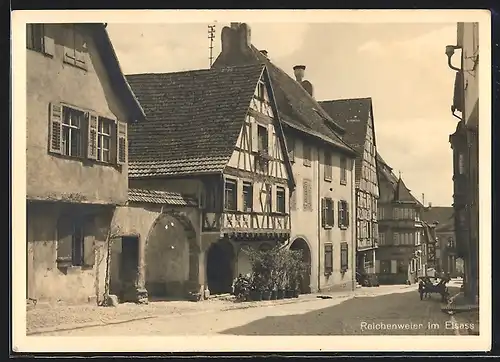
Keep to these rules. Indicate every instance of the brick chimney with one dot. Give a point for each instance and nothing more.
(236, 38)
(299, 71)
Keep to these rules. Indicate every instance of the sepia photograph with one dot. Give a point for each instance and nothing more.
(307, 177)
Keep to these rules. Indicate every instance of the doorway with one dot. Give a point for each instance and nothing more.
(305, 282)
(129, 268)
(220, 267)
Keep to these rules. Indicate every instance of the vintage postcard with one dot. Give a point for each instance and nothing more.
(252, 180)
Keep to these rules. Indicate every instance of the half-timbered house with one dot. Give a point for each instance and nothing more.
(215, 135)
(78, 106)
(356, 116)
(322, 164)
(405, 242)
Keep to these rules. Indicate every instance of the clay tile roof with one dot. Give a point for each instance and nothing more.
(193, 119)
(160, 197)
(353, 116)
(298, 110)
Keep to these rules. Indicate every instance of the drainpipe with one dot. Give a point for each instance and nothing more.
(320, 247)
(353, 226)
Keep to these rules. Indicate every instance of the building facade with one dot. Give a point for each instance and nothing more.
(403, 238)
(78, 108)
(322, 204)
(356, 116)
(441, 217)
(214, 136)
(465, 145)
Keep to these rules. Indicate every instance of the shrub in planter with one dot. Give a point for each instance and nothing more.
(295, 269)
(242, 287)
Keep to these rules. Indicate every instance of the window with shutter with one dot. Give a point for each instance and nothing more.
(328, 166)
(328, 262)
(55, 128)
(247, 196)
(105, 130)
(344, 256)
(280, 199)
(323, 212)
(230, 199)
(121, 143)
(343, 171)
(71, 240)
(75, 47)
(307, 154)
(37, 40)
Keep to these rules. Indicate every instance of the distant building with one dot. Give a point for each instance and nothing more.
(465, 145)
(78, 108)
(403, 238)
(446, 251)
(322, 204)
(356, 116)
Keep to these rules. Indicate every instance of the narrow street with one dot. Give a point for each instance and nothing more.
(399, 313)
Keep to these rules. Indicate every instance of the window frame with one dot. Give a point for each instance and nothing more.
(280, 200)
(72, 56)
(328, 167)
(328, 212)
(343, 170)
(247, 190)
(234, 197)
(344, 256)
(36, 42)
(101, 136)
(82, 249)
(262, 138)
(66, 109)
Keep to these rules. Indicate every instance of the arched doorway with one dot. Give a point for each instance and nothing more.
(171, 257)
(301, 244)
(220, 267)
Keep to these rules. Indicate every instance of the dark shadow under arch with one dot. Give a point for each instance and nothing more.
(301, 244)
(220, 265)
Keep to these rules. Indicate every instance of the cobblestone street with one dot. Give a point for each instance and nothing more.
(367, 311)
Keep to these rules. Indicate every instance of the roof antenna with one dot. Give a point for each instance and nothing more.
(211, 36)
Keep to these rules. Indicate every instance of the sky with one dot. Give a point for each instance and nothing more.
(402, 67)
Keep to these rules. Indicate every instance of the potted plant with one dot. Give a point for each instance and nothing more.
(242, 287)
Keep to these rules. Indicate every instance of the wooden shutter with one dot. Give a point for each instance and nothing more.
(121, 143)
(287, 200)
(55, 128)
(339, 213)
(92, 127)
(273, 198)
(254, 135)
(88, 250)
(346, 213)
(394, 266)
(323, 212)
(239, 195)
(344, 256)
(328, 267)
(48, 44)
(377, 266)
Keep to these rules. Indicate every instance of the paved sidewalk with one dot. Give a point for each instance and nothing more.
(44, 319)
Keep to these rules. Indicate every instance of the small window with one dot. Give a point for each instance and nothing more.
(328, 166)
(75, 47)
(344, 256)
(261, 91)
(291, 148)
(328, 259)
(461, 164)
(381, 238)
(385, 266)
(247, 197)
(230, 195)
(74, 247)
(72, 132)
(104, 138)
(307, 155)
(280, 200)
(328, 213)
(35, 37)
(343, 214)
(343, 171)
(263, 138)
(396, 238)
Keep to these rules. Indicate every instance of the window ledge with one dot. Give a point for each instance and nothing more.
(42, 52)
(343, 182)
(328, 227)
(328, 179)
(342, 227)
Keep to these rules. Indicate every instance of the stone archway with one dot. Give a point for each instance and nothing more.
(171, 257)
(220, 265)
(301, 244)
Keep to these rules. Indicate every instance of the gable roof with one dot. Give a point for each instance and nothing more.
(353, 116)
(401, 193)
(112, 65)
(194, 119)
(442, 214)
(160, 197)
(297, 109)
